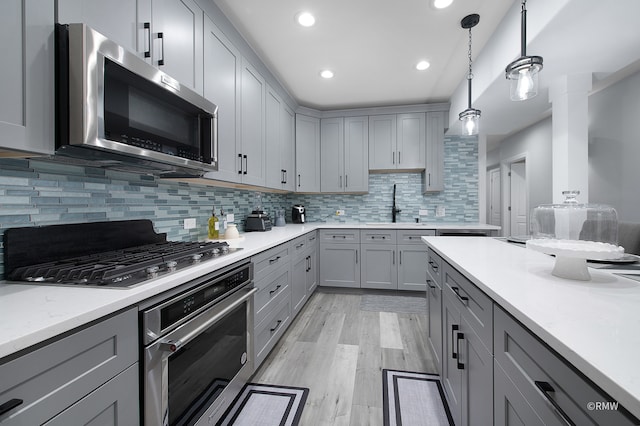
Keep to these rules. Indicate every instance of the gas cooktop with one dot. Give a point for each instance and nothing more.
(102, 254)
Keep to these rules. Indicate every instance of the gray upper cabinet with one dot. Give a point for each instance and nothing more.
(397, 141)
(279, 128)
(176, 40)
(433, 179)
(122, 21)
(27, 85)
(343, 154)
(223, 68)
(252, 125)
(307, 178)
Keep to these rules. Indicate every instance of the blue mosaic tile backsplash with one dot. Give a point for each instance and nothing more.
(34, 192)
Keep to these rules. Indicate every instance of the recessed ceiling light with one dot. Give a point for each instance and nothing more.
(326, 74)
(305, 19)
(441, 4)
(422, 65)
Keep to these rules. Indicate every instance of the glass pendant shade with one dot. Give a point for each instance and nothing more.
(470, 119)
(523, 76)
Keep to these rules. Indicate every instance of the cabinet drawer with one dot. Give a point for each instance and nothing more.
(271, 290)
(339, 236)
(414, 236)
(269, 260)
(269, 331)
(526, 360)
(475, 306)
(378, 236)
(299, 246)
(54, 377)
(435, 266)
(312, 238)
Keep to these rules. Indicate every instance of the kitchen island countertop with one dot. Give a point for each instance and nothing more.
(31, 314)
(593, 324)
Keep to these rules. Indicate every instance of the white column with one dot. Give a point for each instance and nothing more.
(569, 96)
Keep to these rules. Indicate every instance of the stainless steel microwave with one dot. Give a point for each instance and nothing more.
(113, 108)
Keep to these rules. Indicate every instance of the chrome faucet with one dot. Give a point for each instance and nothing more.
(394, 210)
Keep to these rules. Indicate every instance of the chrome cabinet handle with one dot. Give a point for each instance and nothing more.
(393, 157)
(340, 184)
(394, 258)
(346, 181)
(299, 245)
(356, 257)
(161, 37)
(147, 33)
(429, 179)
(401, 257)
(399, 158)
(10, 405)
(545, 388)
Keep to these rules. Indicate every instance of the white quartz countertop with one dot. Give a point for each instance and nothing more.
(595, 325)
(31, 314)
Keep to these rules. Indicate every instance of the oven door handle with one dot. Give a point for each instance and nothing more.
(175, 345)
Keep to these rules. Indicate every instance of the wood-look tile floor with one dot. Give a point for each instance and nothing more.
(338, 351)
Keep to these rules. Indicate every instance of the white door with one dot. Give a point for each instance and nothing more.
(495, 210)
(518, 206)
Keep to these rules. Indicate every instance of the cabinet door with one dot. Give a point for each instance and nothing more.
(410, 141)
(122, 21)
(510, 407)
(340, 265)
(332, 155)
(382, 142)
(177, 29)
(114, 403)
(274, 148)
(477, 378)
(451, 374)
(312, 271)
(299, 284)
(434, 299)
(223, 68)
(307, 176)
(356, 154)
(287, 137)
(252, 125)
(379, 267)
(434, 163)
(412, 267)
(27, 87)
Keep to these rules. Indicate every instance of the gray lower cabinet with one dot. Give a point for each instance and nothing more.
(434, 302)
(339, 257)
(412, 259)
(379, 268)
(82, 374)
(299, 266)
(467, 374)
(535, 386)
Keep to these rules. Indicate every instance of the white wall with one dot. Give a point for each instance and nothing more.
(535, 143)
(614, 148)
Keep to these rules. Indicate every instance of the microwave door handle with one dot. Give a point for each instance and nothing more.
(175, 345)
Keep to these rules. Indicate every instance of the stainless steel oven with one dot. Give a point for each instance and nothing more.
(198, 348)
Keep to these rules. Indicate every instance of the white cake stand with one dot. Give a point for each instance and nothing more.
(572, 255)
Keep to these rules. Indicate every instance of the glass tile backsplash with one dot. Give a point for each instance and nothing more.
(35, 192)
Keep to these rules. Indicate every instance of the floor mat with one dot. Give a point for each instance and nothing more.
(414, 399)
(266, 405)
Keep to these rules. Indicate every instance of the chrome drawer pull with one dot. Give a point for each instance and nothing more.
(546, 388)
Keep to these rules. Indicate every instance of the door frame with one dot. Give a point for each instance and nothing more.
(490, 172)
(505, 167)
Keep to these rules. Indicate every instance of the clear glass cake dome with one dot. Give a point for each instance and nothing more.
(573, 233)
(572, 220)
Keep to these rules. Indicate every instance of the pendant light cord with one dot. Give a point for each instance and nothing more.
(470, 74)
(523, 29)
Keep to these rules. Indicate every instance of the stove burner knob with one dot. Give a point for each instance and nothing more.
(216, 251)
(196, 258)
(225, 249)
(171, 265)
(152, 271)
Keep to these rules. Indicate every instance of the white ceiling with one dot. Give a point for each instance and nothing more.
(371, 45)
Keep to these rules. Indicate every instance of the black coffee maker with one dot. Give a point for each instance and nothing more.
(298, 213)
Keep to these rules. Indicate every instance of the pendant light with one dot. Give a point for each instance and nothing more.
(523, 72)
(470, 117)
